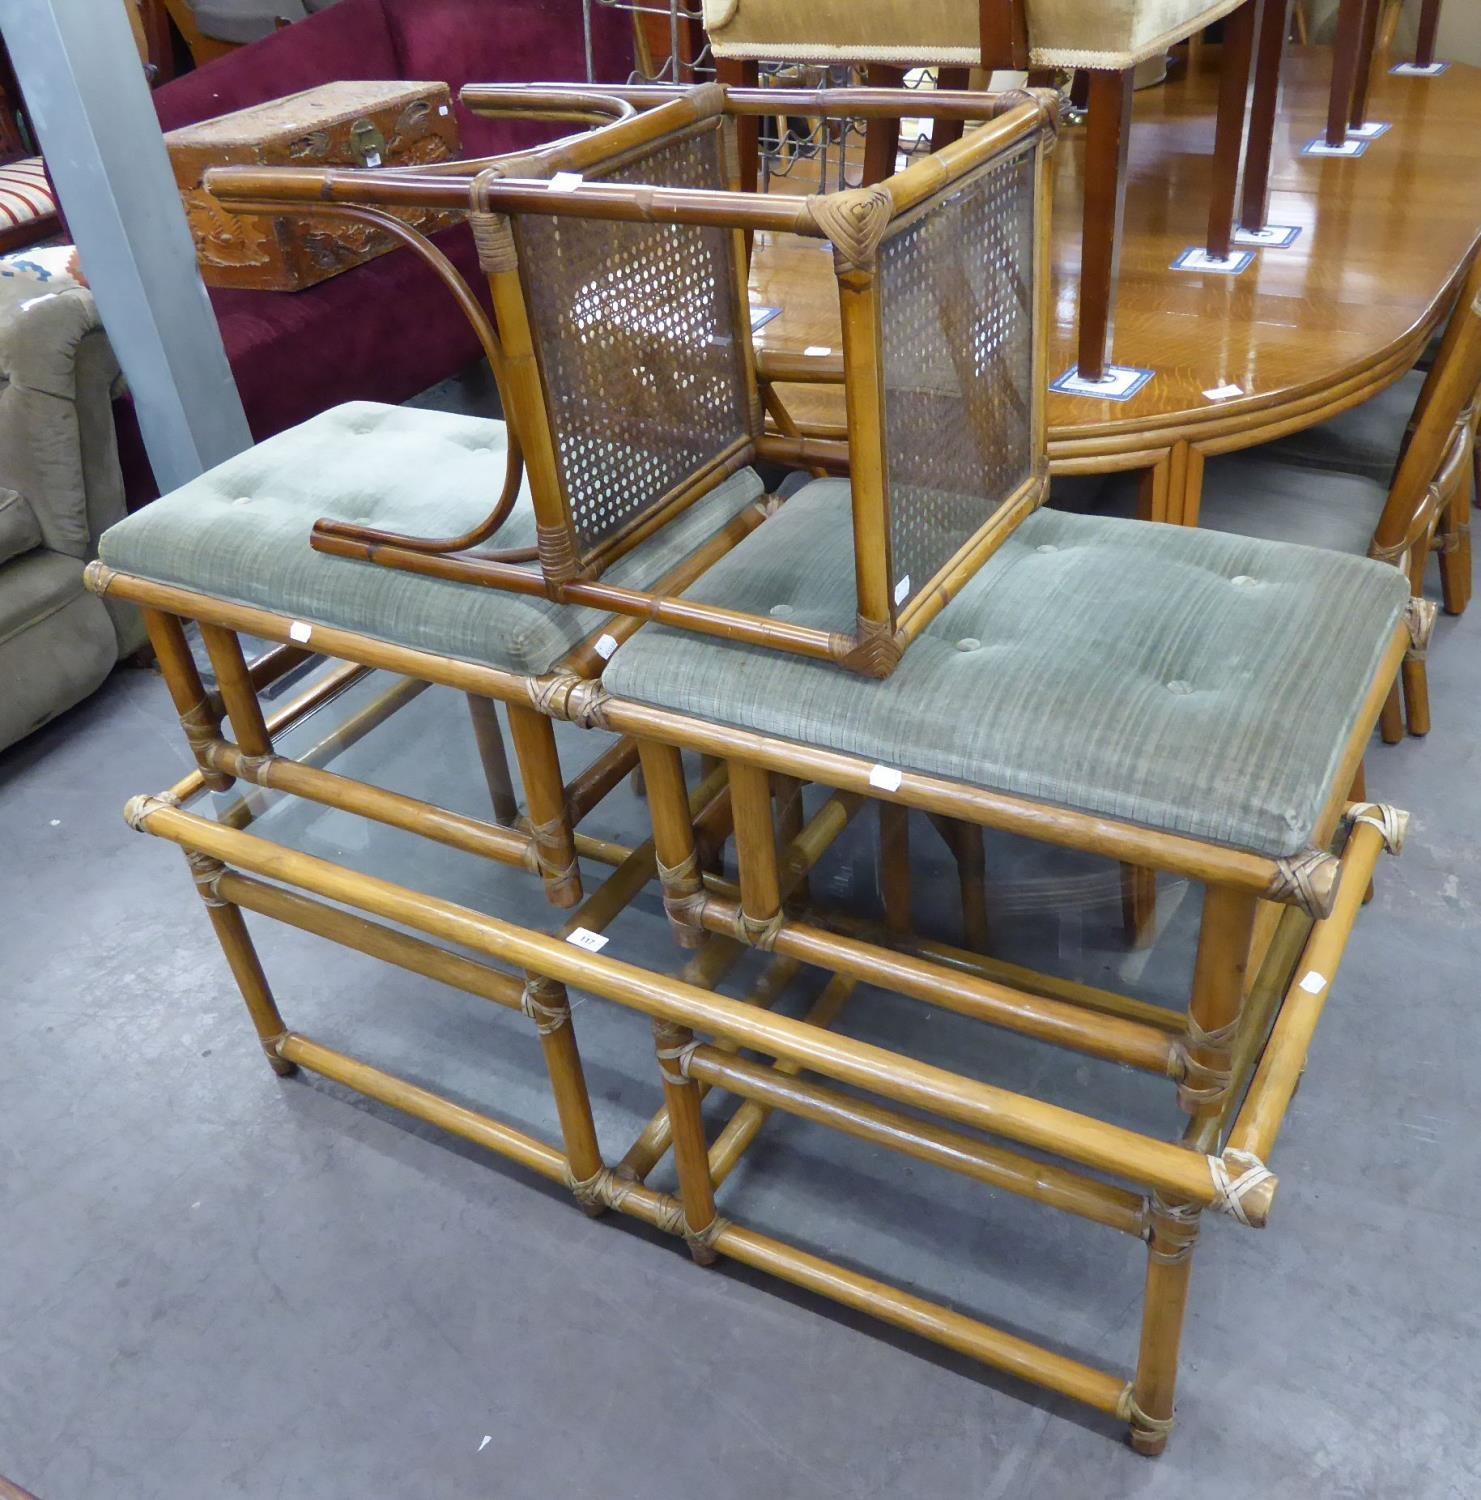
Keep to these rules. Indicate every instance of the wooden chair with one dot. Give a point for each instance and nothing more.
(1106, 42)
(1426, 507)
(629, 376)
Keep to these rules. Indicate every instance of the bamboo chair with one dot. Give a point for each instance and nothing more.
(630, 378)
(1104, 42)
(229, 552)
(1426, 507)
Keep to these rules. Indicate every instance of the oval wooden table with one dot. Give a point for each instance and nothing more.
(1305, 332)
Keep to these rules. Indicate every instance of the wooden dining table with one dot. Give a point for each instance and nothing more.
(1236, 360)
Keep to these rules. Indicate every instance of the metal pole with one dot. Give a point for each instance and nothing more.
(87, 96)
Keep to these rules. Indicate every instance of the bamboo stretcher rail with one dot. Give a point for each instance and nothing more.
(1149, 1048)
(1259, 1122)
(745, 1124)
(710, 965)
(1167, 1168)
(1003, 1351)
(1044, 1183)
(343, 676)
(945, 955)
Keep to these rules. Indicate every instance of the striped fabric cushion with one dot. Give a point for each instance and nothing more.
(25, 194)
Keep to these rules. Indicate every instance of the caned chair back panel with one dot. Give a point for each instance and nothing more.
(956, 286)
(638, 335)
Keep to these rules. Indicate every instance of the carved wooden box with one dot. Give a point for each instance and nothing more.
(350, 124)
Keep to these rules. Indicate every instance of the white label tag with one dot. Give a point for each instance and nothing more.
(886, 778)
(605, 647)
(902, 589)
(442, 109)
(372, 158)
(1224, 392)
(298, 631)
(584, 937)
(1314, 983)
(814, 350)
(565, 182)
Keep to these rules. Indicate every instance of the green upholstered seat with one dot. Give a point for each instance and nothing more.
(1186, 680)
(1256, 495)
(1362, 440)
(241, 532)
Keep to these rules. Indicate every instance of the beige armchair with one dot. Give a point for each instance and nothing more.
(60, 487)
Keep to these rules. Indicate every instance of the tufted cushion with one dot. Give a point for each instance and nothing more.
(1061, 33)
(1255, 495)
(241, 533)
(1186, 680)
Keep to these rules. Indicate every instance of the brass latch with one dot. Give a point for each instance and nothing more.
(367, 144)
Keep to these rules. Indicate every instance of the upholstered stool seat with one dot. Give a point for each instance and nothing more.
(1186, 680)
(241, 533)
(1061, 33)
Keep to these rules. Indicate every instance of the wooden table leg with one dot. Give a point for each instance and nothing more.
(1270, 53)
(1363, 78)
(1234, 82)
(882, 138)
(1108, 132)
(1429, 24)
(1344, 69)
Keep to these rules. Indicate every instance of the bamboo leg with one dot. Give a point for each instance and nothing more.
(1138, 903)
(787, 791)
(492, 756)
(1174, 1231)
(1234, 79)
(971, 864)
(539, 769)
(546, 1003)
(894, 864)
(1265, 105)
(1108, 131)
(1429, 24)
(1218, 988)
(1391, 718)
(1363, 76)
(756, 855)
(198, 719)
(241, 955)
(1455, 552)
(1416, 681)
(237, 691)
(691, 1154)
(1344, 69)
(673, 839)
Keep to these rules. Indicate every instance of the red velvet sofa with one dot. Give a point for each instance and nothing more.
(387, 329)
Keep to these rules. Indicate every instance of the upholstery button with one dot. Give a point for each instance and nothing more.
(968, 643)
(780, 611)
(1046, 547)
(1177, 685)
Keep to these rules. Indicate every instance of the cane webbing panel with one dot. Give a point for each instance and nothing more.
(240, 532)
(1187, 680)
(956, 302)
(636, 332)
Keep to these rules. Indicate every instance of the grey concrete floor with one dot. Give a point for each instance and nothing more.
(218, 1283)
